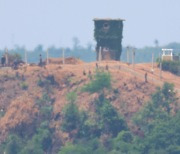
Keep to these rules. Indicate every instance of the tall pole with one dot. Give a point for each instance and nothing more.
(127, 54)
(47, 57)
(63, 55)
(6, 56)
(160, 73)
(100, 54)
(152, 62)
(133, 56)
(25, 56)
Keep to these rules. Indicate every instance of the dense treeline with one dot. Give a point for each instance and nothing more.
(88, 54)
(171, 66)
(103, 131)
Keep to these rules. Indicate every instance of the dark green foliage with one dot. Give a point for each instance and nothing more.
(45, 105)
(39, 143)
(70, 114)
(85, 126)
(51, 79)
(171, 66)
(109, 120)
(164, 137)
(70, 117)
(84, 147)
(47, 83)
(100, 81)
(13, 144)
(159, 123)
(71, 97)
(42, 83)
(124, 143)
(14, 57)
(73, 119)
(74, 149)
(158, 109)
(2, 113)
(24, 85)
(44, 100)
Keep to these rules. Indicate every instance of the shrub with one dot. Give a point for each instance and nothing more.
(109, 119)
(71, 117)
(43, 83)
(39, 143)
(13, 144)
(24, 85)
(84, 147)
(71, 97)
(101, 80)
(171, 66)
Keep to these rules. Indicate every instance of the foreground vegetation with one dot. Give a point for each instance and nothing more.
(155, 127)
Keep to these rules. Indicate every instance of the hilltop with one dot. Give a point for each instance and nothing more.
(21, 90)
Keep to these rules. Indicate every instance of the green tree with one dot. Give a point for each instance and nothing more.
(70, 114)
(108, 118)
(158, 109)
(159, 121)
(92, 146)
(13, 144)
(70, 117)
(40, 142)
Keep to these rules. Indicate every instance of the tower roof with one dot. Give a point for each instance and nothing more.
(108, 19)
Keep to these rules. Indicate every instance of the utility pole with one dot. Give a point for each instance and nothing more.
(63, 55)
(47, 56)
(152, 63)
(133, 57)
(6, 56)
(160, 73)
(25, 56)
(127, 52)
(100, 54)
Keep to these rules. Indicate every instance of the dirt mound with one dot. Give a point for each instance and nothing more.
(69, 60)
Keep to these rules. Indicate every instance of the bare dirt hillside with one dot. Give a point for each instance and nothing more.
(19, 90)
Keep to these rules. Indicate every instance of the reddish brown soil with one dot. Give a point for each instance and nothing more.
(133, 92)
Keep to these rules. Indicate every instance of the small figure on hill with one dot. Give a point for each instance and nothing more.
(3, 61)
(97, 66)
(145, 77)
(107, 67)
(89, 72)
(40, 60)
(84, 72)
(15, 64)
(90, 75)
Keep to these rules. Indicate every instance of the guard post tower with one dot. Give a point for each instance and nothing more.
(108, 35)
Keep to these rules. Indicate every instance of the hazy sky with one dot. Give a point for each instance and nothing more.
(56, 22)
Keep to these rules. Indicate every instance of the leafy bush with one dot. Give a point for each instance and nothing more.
(39, 143)
(12, 145)
(43, 83)
(158, 121)
(159, 108)
(14, 57)
(171, 66)
(70, 117)
(109, 119)
(84, 147)
(71, 97)
(101, 80)
(24, 85)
